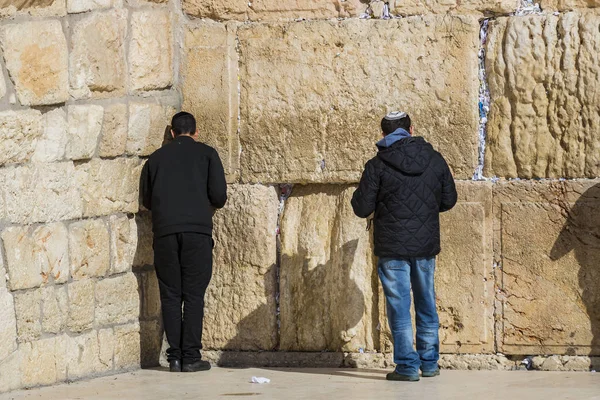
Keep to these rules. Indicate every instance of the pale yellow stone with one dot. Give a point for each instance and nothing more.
(150, 50)
(123, 243)
(127, 347)
(312, 96)
(37, 59)
(240, 303)
(109, 186)
(147, 124)
(55, 309)
(565, 5)
(150, 295)
(89, 247)
(106, 341)
(114, 131)
(81, 305)
(23, 261)
(97, 59)
(52, 143)
(39, 362)
(80, 6)
(8, 326)
(117, 300)
(2, 86)
(478, 7)
(20, 132)
(51, 242)
(85, 125)
(10, 375)
(83, 356)
(210, 89)
(28, 313)
(36, 8)
(144, 254)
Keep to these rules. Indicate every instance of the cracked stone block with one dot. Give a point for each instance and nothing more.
(52, 143)
(117, 300)
(210, 51)
(36, 8)
(8, 326)
(85, 125)
(84, 355)
(54, 308)
(547, 244)
(147, 124)
(114, 131)
(240, 303)
(308, 87)
(123, 243)
(28, 313)
(42, 362)
(36, 58)
(81, 305)
(20, 132)
(328, 277)
(544, 83)
(106, 343)
(479, 7)
(89, 246)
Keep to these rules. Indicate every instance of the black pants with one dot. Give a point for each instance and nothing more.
(183, 264)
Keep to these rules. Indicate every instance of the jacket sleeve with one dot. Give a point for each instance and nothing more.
(217, 185)
(364, 199)
(146, 186)
(449, 195)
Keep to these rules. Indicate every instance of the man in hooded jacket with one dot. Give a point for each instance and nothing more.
(407, 185)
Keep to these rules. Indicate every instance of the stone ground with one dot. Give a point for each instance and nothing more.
(324, 384)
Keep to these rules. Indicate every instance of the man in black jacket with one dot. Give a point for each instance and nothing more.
(182, 183)
(407, 185)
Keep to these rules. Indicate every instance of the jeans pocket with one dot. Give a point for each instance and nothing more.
(392, 264)
(427, 265)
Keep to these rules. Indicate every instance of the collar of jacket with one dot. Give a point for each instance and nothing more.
(183, 139)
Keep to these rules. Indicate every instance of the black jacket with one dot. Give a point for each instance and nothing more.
(182, 183)
(407, 185)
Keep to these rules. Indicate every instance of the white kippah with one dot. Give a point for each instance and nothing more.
(395, 115)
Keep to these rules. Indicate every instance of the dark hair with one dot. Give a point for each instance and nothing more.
(183, 123)
(389, 126)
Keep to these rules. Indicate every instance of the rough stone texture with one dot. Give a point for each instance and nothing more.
(150, 51)
(97, 58)
(147, 124)
(52, 143)
(476, 362)
(20, 131)
(326, 262)
(150, 301)
(117, 300)
(114, 131)
(85, 125)
(36, 58)
(564, 5)
(242, 10)
(54, 308)
(24, 270)
(2, 86)
(109, 186)
(52, 252)
(83, 356)
(80, 6)
(81, 305)
(307, 87)
(89, 248)
(144, 254)
(151, 335)
(544, 86)
(210, 52)
(41, 361)
(240, 302)
(28, 313)
(548, 294)
(127, 346)
(43, 8)
(106, 341)
(10, 376)
(8, 325)
(123, 243)
(419, 7)
(40, 193)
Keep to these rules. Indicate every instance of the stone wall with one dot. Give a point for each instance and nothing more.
(290, 93)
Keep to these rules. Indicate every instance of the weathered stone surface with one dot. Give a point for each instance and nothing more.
(85, 125)
(8, 325)
(147, 123)
(80, 6)
(54, 308)
(117, 300)
(150, 52)
(52, 252)
(127, 346)
(24, 270)
(114, 131)
(564, 5)
(548, 287)
(89, 246)
(476, 362)
(81, 305)
(326, 262)
(150, 295)
(312, 98)
(240, 301)
(41, 361)
(36, 58)
(106, 343)
(123, 243)
(28, 313)
(109, 186)
(20, 131)
(544, 86)
(144, 253)
(40, 193)
(83, 356)
(272, 9)
(43, 8)
(2, 86)
(210, 52)
(420, 7)
(97, 59)
(151, 335)
(10, 375)
(52, 143)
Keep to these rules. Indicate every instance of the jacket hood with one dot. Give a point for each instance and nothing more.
(410, 155)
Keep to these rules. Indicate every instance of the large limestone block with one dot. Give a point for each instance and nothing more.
(144, 253)
(547, 242)
(81, 305)
(40, 193)
(210, 89)
(545, 96)
(42, 361)
(106, 343)
(109, 186)
(28, 313)
(114, 131)
(89, 247)
(147, 123)
(20, 131)
(10, 375)
(43, 8)
(277, 10)
(150, 295)
(36, 58)
(84, 355)
(123, 243)
(117, 300)
(127, 346)
(328, 280)
(97, 59)
(151, 337)
(54, 308)
(564, 5)
(312, 96)
(419, 7)
(85, 125)
(52, 143)
(51, 245)
(8, 325)
(81, 6)
(150, 50)
(240, 301)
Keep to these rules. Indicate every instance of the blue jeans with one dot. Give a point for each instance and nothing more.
(397, 276)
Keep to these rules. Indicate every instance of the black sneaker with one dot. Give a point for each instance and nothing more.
(394, 376)
(175, 365)
(430, 374)
(199, 365)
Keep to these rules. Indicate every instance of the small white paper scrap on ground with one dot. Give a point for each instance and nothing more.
(259, 379)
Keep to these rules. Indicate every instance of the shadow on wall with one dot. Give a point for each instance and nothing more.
(581, 234)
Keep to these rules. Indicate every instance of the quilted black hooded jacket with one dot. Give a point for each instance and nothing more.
(407, 185)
